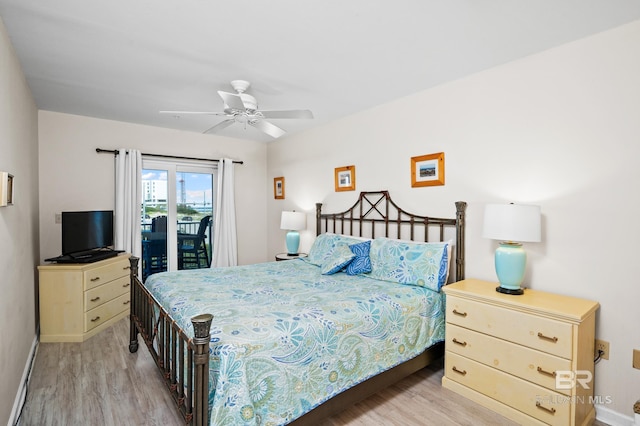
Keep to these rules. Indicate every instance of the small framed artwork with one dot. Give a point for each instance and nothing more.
(6, 189)
(345, 178)
(278, 188)
(427, 170)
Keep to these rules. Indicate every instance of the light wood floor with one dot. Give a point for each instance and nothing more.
(98, 383)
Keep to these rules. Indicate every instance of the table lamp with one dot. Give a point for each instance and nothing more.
(293, 222)
(511, 224)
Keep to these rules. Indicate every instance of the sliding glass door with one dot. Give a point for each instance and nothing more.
(177, 216)
(194, 193)
(155, 209)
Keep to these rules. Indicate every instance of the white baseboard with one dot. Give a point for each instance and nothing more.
(21, 395)
(613, 418)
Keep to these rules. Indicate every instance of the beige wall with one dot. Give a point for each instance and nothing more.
(74, 177)
(559, 129)
(18, 224)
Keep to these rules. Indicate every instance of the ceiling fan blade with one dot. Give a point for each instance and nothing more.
(193, 112)
(231, 100)
(221, 125)
(300, 113)
(270, 129)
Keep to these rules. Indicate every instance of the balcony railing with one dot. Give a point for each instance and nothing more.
(186, 227)
(153, 242)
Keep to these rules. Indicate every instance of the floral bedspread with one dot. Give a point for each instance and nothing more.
(285, 338)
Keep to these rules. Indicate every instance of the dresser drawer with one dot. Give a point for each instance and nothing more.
(105, 312)
(529, 364)
(547, 335)
(104, 293)
(103, 274)
(538, 402)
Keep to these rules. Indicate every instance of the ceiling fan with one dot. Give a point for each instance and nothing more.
(242, 108)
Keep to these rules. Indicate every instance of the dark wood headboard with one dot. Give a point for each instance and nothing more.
(375, 212)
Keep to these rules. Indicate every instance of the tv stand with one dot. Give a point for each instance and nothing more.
(78, 301)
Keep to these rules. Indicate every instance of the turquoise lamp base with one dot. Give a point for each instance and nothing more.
(510, 261)
(293, 242)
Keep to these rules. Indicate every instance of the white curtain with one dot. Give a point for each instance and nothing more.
(128, 197)
(225, 246)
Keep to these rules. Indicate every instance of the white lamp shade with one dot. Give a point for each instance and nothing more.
(293, 221)
(512, 222)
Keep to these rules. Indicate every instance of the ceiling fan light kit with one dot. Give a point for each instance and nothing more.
(240, 86)
(242, 108)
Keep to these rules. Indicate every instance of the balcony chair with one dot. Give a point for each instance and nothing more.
(192, 248)
(159, 224)
(154, 257)
(154, 247)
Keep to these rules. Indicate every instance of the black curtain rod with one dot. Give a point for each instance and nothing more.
(175, 157)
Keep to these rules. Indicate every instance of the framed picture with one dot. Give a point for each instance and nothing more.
(6, 189)
(427, 170)
(278, 188)
(345, 178)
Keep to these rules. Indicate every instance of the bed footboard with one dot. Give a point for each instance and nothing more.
(183, 362)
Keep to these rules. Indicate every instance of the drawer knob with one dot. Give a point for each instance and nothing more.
(547, 373)
(550, 339)
(463, 344)
(462, 372)
(462, 314)
(542, 407)
(126, 303)
(124, 268)
(95, 279)
(95, 319)
(95, 299)
(125, 285)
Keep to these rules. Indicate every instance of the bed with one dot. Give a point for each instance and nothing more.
(297, 341)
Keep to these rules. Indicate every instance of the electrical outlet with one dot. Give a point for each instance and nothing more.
(636, 358)
(603, 346)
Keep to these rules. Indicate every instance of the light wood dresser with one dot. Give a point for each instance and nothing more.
(528, 357)
(78, 301)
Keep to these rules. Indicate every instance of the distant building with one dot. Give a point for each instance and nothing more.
(154, 192)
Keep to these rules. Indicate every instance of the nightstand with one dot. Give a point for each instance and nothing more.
(527, 357)
(286, 256)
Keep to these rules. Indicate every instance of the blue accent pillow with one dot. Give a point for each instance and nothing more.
(340, 257)
(324, 245)
(361, 263)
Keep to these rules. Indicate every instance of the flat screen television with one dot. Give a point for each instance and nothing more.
(85, 231)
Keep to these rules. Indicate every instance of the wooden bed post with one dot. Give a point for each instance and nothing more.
(133, 329)
(318, 223)
(202, 335)
(461, 207)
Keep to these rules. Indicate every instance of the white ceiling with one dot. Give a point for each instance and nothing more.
(127, 59)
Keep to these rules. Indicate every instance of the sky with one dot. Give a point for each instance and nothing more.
(197, 185)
